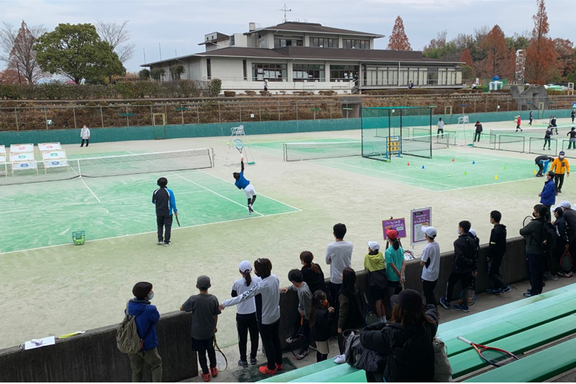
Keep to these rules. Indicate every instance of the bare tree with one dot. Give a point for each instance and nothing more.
(117, 36)
(18, 47)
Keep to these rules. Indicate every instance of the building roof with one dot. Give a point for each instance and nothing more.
(313, 53)
(219, 37)
(293, 26)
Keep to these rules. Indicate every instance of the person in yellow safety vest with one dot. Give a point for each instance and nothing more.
(560, 165)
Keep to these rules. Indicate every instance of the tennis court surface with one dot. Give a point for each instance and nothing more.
(46, 214)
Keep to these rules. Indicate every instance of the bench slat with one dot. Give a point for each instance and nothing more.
(303, 371)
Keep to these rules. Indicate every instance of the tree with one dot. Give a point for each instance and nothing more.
(157, 73)
(565, 50)
(144, 74)
(497, 61)
(9, 76)
(19, 51)
(439, 48)
(117, 36)
(398, 39)
(176, 72)
(540, 55)
(76, 51)
(466, 57)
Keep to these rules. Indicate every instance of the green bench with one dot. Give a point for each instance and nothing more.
(470, 361)
(303, 371)
(537, 367)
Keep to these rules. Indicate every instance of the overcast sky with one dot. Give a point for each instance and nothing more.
(179, 25)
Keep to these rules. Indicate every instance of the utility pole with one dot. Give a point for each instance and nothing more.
(285, 10)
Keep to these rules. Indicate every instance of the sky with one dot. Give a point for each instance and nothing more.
(162, 29)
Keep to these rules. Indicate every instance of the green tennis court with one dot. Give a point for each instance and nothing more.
(46, 214)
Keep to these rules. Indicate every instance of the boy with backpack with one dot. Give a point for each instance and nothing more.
(145, 316)
(205, 309)
(304, 301)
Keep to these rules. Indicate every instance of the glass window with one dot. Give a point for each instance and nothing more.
(343, 72)
(310, 72)
(323, 42)
(356, 44)
(271, 72)
(288, 42)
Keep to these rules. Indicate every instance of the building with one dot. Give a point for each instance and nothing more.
(296, 57)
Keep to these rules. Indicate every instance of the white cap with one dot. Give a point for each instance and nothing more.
(245, 266)
(565, 204)
(473, 232)
(373, 245)
(430, 231)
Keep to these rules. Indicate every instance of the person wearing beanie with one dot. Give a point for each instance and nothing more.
(246, 320)
(377, 281)
(411, 321)
(560, 166)
(205, 310)
(147, 317)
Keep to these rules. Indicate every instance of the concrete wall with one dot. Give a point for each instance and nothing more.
(94, 357)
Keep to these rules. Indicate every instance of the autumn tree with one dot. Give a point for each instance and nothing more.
(565, 50)
(9, 76)
(117, 36)
(466, 57)
(19, 54)
(76, 51)
(398, 39)
(541, 54)
(496, 62)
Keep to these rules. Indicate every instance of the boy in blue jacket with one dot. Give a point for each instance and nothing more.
(548, 194)
(146, 318)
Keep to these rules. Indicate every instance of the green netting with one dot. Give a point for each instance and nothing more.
(320, 150)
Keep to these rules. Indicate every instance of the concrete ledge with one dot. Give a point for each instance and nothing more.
(94, 356)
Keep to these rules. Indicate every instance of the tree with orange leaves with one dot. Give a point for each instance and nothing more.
(541, 55)
(398, 39)
(496, 62)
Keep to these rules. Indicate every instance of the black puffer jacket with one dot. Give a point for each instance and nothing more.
(408, 350)
(464, 254)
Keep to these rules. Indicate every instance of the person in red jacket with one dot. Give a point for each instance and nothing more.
(518, 122)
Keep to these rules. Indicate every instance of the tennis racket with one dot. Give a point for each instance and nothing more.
(299, 344)
(527, 219)
(491, 355)
(177, 221)
(221, 360)
(239, 145)
(566, 262)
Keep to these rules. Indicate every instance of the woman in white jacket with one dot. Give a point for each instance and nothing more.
(85, 135)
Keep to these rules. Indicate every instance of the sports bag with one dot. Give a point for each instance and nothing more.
(127, 339)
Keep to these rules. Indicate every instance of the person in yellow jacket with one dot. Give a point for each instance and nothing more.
(377, 281)
(560, 165)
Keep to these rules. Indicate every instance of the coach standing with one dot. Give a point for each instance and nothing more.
(165, 203)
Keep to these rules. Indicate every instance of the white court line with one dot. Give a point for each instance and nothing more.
(92, 192)
(151, 232)
(216, 193)
(259, 194)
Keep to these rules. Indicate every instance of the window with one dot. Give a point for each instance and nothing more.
(343, 72)
(244, 70)
(271, 72)
(356, 44)
(288, 42)
(208, 69)
(323, 42)
(310, 72)
(232, 40)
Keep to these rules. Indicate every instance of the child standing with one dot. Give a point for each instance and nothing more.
(395, 267)
(321, 322)
(377, 281)
(246, 314)
(430, 262)
(165, 203)
(205, 310)
(304, 301)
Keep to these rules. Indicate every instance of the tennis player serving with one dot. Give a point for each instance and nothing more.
(242, 183)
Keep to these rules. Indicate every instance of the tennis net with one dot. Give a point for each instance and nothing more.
(132, 164)
(321, 150)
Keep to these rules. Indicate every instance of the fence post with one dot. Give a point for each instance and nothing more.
(296, 104)
(198, 112)
(74, 113)
(278, 109)
(16, 116)
(102, 116)
(240, 110)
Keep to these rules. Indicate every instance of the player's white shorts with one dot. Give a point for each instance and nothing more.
(250, 191)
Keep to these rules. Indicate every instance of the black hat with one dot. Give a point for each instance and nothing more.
(408, 299)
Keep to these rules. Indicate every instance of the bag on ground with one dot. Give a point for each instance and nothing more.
(442, 367)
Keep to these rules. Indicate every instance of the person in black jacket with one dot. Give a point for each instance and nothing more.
(405, 344)
(563, 241)
(321, 319)
(496, 251)
(350, 313)
(313, 275)
(542, 163)
(533, 234)
(463, 265)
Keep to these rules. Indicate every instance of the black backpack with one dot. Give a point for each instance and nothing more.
(548, 237)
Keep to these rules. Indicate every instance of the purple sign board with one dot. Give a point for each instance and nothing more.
(397, 224)
(420, 217)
